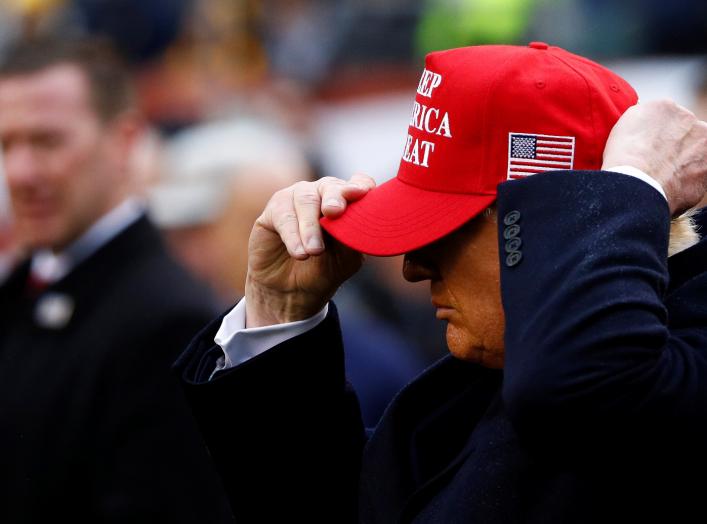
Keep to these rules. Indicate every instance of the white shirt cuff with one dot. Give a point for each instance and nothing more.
(637, 173)
(240, 343)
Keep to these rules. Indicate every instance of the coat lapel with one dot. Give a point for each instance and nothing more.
(63, 303)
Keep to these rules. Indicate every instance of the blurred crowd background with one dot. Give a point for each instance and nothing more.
(243, 97)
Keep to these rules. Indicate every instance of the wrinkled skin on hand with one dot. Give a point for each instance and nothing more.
(667, 142)
(292, 270)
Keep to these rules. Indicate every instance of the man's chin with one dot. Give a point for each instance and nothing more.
(473, 353)
(462, 348)
(36, 238)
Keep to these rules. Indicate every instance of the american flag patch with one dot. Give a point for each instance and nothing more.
(532, 154)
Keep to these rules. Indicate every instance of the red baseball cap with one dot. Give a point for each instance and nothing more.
(484, 115)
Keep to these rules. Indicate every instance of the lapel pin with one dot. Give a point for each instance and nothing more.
(54, 310)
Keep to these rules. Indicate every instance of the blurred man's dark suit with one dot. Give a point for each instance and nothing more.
(94, 425)
(600, 414)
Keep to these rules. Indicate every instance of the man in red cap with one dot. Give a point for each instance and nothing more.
(576, 388)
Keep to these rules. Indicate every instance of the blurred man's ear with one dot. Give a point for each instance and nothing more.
(126, 130)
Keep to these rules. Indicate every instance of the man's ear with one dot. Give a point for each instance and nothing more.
(126, 129)
(130, 126)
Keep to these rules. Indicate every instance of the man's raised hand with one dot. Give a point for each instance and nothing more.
(292, 272)
(668, 143)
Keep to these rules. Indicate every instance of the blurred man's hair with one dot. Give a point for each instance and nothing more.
(108, 76)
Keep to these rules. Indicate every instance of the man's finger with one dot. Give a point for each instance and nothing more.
(363, 180)
(337, 194)
(333, 199)
(280, 215)
(308, 205)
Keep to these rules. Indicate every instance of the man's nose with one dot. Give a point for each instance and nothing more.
(418, 267)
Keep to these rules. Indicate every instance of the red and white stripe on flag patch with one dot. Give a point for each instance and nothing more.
(530, 154)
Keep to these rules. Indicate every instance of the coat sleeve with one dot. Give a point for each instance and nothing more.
(593, 360)
(283, 428)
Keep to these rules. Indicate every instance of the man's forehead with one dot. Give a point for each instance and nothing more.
(59, 88)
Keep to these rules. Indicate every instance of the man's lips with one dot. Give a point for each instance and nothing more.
(443, 310)
(33, 208)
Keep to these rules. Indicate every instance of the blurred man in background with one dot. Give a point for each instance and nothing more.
(215, 180)
(92, 417)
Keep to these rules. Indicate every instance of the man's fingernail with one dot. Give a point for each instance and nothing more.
(299, 250)
(314, 243)
(333, 202)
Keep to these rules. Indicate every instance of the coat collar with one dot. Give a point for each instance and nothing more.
(90, 279)
(51, 267)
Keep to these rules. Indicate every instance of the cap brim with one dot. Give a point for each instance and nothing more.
(397, 218)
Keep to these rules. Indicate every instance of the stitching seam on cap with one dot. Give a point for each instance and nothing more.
(430, 215)
(593, 154)
(421, 188)
(395, 232)
(489, 91)
(417, 211)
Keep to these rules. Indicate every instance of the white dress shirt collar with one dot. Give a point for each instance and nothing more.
(50, 267)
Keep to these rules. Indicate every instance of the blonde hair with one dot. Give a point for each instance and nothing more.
(683, 233)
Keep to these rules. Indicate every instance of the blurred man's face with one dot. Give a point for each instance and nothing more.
(62, 163)
(464, 274)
